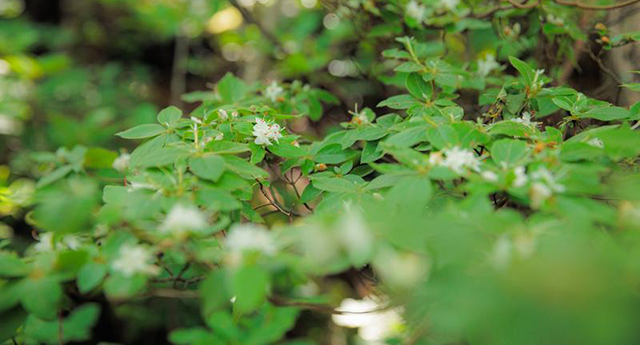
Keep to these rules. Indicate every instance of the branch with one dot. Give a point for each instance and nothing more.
(250, 19)
(525, 5)
(580, 5)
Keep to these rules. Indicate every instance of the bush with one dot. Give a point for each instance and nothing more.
(481, 201)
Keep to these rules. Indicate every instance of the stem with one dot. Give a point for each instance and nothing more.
(179, 69)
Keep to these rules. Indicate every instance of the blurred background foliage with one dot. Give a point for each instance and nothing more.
(74, 73)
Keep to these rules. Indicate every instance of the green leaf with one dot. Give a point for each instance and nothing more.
(244, 168)
(250, 287)
(334, 184)
(41, 296)
(605, 113)
(231, 89)
(334, 154)
(12, 266)
(10, 321)
(418, 87)
(218, 200)
(76, 327)
(286, 150)
(193, 336)
(90, 276)
(54, 176)
(227, 147)
(508, 151)
(398, 102)
(162, 157)
(99, 158)
(142, 131)
(525, 70)
(208, 167)
(410, 193)
(169, 116)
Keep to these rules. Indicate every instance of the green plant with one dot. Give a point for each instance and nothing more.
(479, 203)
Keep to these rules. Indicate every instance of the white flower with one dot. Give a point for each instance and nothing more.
(196, 120)
(250, 237)
(458, 160)
(373, 323)
(265, 132)
(5, 68)
(537, 84)
(544, 187)
(525, 120)
(9, 126)
(489, 176)
(273, 91)
(45, 242)
(545, 176)
(135, 185)
(436, 158)
(134, 259)
(539, 193)
(122, 162)
(223, 115)
(555, 20)
(181, 219)
(71, 242)
(521, 177)
(486, 65)
(449, 4)
(219, 137)
(415, 10)
(355, 236)
(595, 142)
(501, 255)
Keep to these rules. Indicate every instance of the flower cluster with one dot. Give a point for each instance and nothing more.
(265, 132)
(134, 259)
(182, 219)
(273, 91)
(457, 159)
(250, 237)
(487, 65)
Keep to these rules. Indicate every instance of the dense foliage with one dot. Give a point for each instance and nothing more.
(419, 172)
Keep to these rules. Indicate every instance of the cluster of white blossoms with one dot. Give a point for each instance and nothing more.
(250, 237)
(555, 20)
(595, 142)
(265, 132)
(521, 244)
(415, 10)
(122, 162)
(543, 187)
(134, 259)
(457, 159)
(374, 321)
(273, 91)
(223, 115)
(182, 219)
(521, 177)
(537, 83)
(46, 244)
(487, 65)
(526, 120)
(449, 4)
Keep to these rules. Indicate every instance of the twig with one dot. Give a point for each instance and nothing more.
(60, 328)
(323, 308)
(179, 68)
(582, 6)
(604, 68)
(524, 5)
(249, 18)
